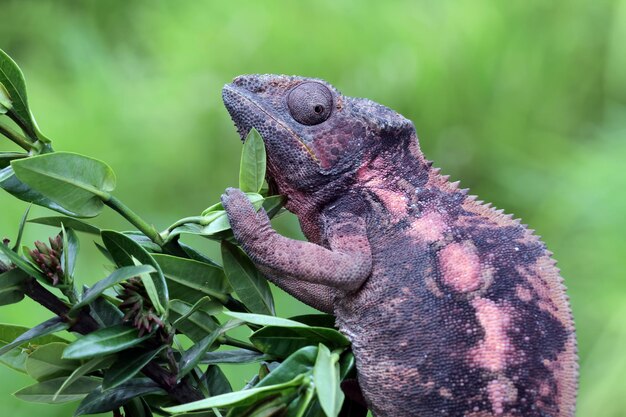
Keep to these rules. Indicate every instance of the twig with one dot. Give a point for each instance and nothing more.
(83, 323)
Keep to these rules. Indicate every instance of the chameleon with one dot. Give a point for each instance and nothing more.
(453, 307)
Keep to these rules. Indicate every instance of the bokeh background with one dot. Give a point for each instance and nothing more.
(523, 101)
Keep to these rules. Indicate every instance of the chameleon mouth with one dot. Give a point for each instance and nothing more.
(243, 109)
(237, 104)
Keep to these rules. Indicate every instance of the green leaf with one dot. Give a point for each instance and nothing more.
(13, 81)
(205, 304)
(197, 256)
(99, 401)
(237, 398)
(263, 320)
(76, 182)
(5, 100)
(127, 365)
(124, 249)
(255, 198)
(11, 286)
(297, 364)
(46, 362)
(86, 368)
(22, 264)
(75, 224)
(235, 356)
(16, 358)
(217, 383)
(251, 287)
(7, 157)
(346, 364)
(103, 342)
(213, 223)
(44, 392)
(194, 324)
(71, 245)
(20, 229)
(282, 341)
(193, 356)
(300, 362)
(114, 278)
(191, 280)
(252, 167)
(327, 383)
(105, 313)
(46, 328)
(12, 185)
(273, 204)
(143, 241)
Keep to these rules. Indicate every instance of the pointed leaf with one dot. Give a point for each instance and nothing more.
(20, 229)
(193, 356)
(252, 167)
(75, 224)
(127, 365)
(16, 358)
(13, 81)
(327, 383)
(205, 304)
(217, 383)
(105, 313)
(117, 276)
(251, 287)
(300, 362)
(103, 342)
(46, 363)
(100, 401)
(23, 264)
(44, 392)
(273, 204)
(5, 100)
(11, 286)
(46, 328)
(76, 182)
(71, 245)
(282, 341)
(86, 368)
(12, 185)
(196, 325)
(263, 320)
(124, 249)
(235, 356)
(191, 280)
(237, 398)
(297, 364)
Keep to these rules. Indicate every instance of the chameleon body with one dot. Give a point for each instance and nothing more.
(453, 308)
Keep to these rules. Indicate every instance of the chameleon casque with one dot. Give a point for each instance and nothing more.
(453, 308)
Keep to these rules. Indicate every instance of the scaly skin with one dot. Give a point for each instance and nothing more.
(453, 308)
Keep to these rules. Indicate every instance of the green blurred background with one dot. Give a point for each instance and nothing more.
(524, 101)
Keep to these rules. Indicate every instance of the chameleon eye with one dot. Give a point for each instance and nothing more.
(310, 103)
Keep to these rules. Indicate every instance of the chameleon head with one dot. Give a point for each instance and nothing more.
(312, 133)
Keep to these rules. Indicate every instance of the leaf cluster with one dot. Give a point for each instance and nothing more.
(149, 337)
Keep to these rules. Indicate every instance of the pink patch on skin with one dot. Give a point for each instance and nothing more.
(523, 293)
(394, 202)
(493, 351)
(429, 228)
(501, 391)
(460, 266)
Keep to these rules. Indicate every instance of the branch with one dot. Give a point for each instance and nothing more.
(182, 392)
